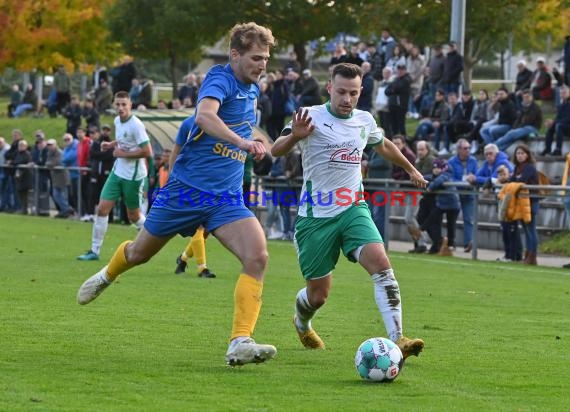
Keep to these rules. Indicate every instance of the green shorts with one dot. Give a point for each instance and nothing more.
(319, 240)
(130, 191)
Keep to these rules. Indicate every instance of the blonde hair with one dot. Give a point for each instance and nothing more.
(243, 36)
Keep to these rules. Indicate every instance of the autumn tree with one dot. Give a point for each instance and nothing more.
(489, 24)
(297, 22)
(41, 34)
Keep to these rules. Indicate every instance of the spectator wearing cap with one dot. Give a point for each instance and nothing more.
(398, 92)
(59, 179)
(446, 202)
(39, 157)
(452, 69)
(541, 84)
(310, 92)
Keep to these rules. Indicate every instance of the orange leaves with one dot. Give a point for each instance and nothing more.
(44, 33)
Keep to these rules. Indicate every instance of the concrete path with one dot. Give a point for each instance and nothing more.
(485, 254)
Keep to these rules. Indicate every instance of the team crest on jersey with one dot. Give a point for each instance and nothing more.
(343, 158)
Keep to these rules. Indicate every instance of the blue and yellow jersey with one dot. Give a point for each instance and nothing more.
(206, 162)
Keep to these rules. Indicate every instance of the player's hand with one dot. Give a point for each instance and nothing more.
(301, 124)
(106, 146)
(257, 149)
(418, 180)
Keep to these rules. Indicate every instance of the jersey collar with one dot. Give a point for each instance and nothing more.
(329, 109)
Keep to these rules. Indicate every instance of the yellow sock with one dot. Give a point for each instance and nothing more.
(247, 304)
(118, 263)
(198, 244)
(188, 253)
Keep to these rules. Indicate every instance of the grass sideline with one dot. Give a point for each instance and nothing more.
(496, 335)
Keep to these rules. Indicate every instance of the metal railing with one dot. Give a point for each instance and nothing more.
(37, 190)
(390, 186)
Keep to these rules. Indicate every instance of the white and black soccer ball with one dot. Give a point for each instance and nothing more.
(379, 360)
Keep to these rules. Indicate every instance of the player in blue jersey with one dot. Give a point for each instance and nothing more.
(205, 178)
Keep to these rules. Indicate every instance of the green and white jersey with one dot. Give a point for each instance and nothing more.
(130, 135)
(331, 157)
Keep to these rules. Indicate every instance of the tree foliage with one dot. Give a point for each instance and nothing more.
(298, 21)
(40, 34)
(172, 29)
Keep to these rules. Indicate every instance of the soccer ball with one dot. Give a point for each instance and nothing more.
(378, 359)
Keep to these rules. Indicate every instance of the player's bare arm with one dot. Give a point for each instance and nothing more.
(208, 120)
(301, 128)
(390, 152)
(139, 153)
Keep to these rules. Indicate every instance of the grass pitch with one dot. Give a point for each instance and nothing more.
(496, 335)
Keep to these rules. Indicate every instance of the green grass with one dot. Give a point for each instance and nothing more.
(52, 127)
(496, 335)
(559, 244)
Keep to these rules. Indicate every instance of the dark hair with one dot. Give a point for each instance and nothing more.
(346, 70)
(528, 152)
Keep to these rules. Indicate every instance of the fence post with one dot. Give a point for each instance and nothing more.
(36, 173)
(79, 193)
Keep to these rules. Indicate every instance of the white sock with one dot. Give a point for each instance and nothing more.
(387, 295)
(140, 223)
(304, 312)
(144, 205)
(100, 225)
